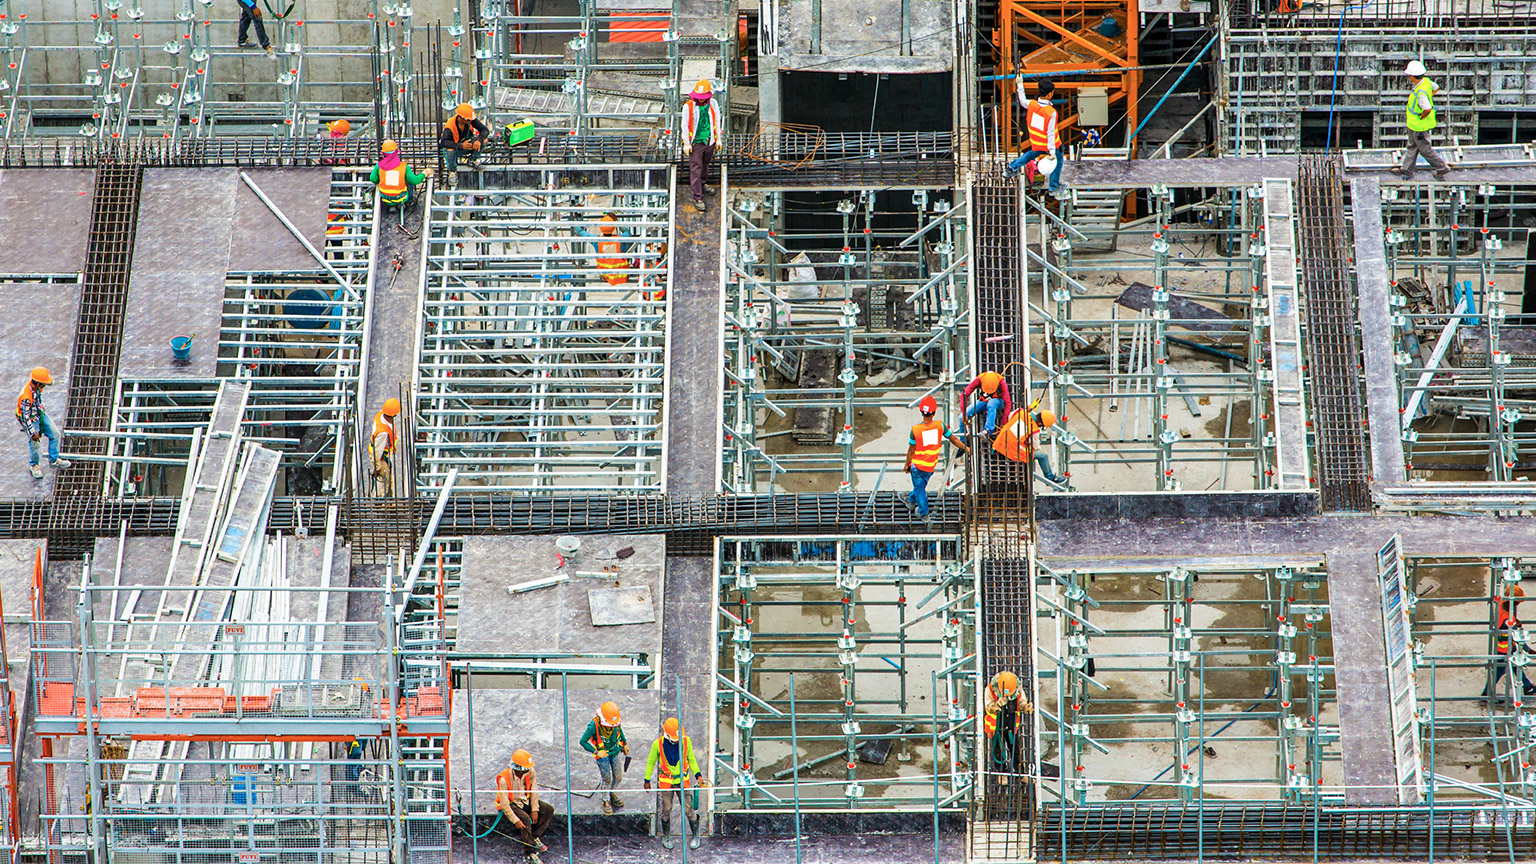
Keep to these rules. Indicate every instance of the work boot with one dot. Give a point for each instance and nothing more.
(533, 858)
(270, 54)
(37, 471)
(607, 808)
(693, 828)
(911, 505)
(1398, 170)
(666, 833)
(698, 204)
(60, 464)
(617, 804)
(1440, 175)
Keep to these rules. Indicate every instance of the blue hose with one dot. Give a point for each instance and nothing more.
(490, 829)
(1338, 50)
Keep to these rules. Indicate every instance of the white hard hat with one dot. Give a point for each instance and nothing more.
(1415, 69)
(1045, 165)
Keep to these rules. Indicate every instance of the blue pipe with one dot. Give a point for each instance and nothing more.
(1129, 142)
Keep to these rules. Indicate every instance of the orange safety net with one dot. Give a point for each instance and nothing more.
(646, 26)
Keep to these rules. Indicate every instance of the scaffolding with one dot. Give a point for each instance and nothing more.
(172, 71)
(1140, 326)
(542, 355)
(848, 693)
(844, 309)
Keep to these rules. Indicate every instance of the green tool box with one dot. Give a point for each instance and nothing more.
(517, 133)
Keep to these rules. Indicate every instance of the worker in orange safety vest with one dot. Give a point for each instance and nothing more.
(381, 447)
(393, 177)
(924, 447)
(518, 800)
(1017, 439)
(1044, 140)
(610, 252)
(1004, 710)
(1508, 620)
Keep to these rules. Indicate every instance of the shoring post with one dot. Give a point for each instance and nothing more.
(1180, 637)
(794, 755)
(1258, 335)
(396, 760)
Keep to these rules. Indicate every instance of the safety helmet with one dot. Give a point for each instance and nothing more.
(1415, 69)
(1516, 591)
(608, 714)
(1045, 165)
(1047, 418)
(929, 406)
(702, 90)
(608, 223)
(522, 759)
(1009, 682)
(391, 407)
(340, 127)
(465, 110)
(990, 382)
(389, 146)
(671, 729)
(41, 375)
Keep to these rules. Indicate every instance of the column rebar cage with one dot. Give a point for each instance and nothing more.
(542, 359)
(845, 689)
(1465, 342)
(1152, 340)
(579, 67)
(1171, 683)
(297, 338)
(844, 309)
(172, 69)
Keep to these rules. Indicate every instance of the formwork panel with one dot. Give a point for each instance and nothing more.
(44, 218)
(37, 328)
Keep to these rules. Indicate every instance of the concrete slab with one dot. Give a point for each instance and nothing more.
(612, 607)
(37, 328)
(45, 219)
(872, 847)
(1381, 397)
(558, 618)
(259, 241)
(506, 720)
(396, 311)
(1224, 171)
(1359, 649)
(185, 220)
(198, 300)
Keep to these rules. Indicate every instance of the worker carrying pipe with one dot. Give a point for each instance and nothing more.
(381, 447)
(991, 398)
(517, 797)
(1001, 718)
(1018, 439)
(676, 770)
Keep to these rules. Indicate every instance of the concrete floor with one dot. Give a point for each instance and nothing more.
(37, 328)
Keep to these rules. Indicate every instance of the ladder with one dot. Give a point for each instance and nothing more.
(557, 103)
(1097, 212)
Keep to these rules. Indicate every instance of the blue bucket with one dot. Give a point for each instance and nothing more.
(181, 347)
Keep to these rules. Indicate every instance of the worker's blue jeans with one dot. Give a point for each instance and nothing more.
(1043, 459)
(919, 494)
(1032, 155)
(45, 426)
(611, 768)
(992, 405)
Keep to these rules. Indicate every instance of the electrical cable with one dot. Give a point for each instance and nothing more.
(490, 828)
(1338, 49)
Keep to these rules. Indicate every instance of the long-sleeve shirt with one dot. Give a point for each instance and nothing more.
(29, 409)
(411, 176)
(665, 753)
(477, 131)
(1002, 390)
(611, 739)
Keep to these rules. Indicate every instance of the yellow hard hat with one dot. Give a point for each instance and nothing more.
(990, 382)
(41, 375)
(1009, 682)
(1047, 418)
(391, 407)
(465, 110)
(389, 146)
(340, 127)
(522, 759)
(703, 86)
(671, 728)
(608, 714)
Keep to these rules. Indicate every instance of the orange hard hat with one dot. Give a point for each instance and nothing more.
(465, 110)
(1047, 418)
(41, 375)
(340, 127)
(929, 405)
(391, 407)
(608, 713)
(1009, 682)
(389, 146)
(1517, 591)
(671, 728)
(990, 382)
(703, 86)
(607, 223)
(522, 758)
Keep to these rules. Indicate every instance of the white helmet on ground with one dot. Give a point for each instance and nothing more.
(1415, 69)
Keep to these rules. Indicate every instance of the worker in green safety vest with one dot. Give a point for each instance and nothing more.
(1421, 119)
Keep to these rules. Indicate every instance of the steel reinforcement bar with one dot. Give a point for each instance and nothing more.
(1333, 346)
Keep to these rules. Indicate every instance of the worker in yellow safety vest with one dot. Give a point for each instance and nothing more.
(676, 770)
(1421, 120)
(381, 447)
(924, 447)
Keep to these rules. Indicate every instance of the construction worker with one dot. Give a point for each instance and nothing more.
(604, 739)
(462, 136)
(1421, 119)
(336, 133)
(701, 137)
(381, 447)
(924, 446)
(517, 798)
(35, 422)
(1044, 140)
(653, 272)
(679, 773)
(250, 14)
(394, 178)
(1508, 618)
(610, 253)
(1005, 710)
(993, 399)
(1019, 439)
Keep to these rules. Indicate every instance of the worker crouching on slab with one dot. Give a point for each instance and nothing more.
(1421, 121)
(924, 447)
(35, 422)
(604, 739)
(381, 447)
(701, 137)
(991, 399)
(1001, 719)
(677, 773)
(1019, 439)
(462, 137)
(517, 798)
(394, 179)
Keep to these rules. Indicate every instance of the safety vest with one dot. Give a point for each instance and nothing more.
(1039, 117)
(669, 774)
(989, 718)
(382, 426)
(1415, 122)
(506, 780)
(25, 400)
(928, 444)
(453, 128)
(392, 182)
(333, 224)
(1506, 621)
(1015, 440)
(608, 258)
